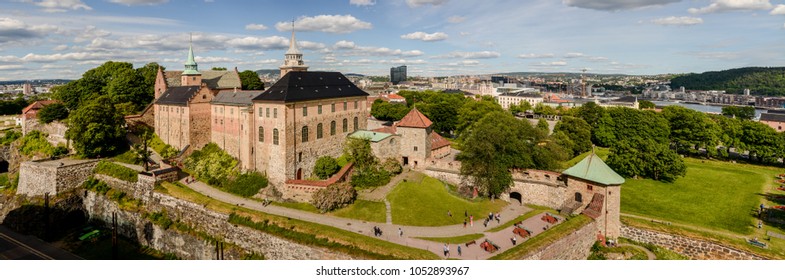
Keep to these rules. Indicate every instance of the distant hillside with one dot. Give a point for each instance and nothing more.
(760, 80)
(268, 71)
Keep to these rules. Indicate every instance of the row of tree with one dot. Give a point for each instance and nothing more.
(760, 80)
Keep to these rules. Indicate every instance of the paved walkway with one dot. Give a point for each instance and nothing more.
(649, 254)
(390, 231)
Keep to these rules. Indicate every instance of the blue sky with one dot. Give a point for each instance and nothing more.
(64, 38)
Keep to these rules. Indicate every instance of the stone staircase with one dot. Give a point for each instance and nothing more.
(569, 207)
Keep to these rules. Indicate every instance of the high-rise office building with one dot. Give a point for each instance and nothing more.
(398, 74)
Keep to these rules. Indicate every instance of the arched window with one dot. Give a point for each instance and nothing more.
(305, 133)
(345, 125)
(319, 131)
(261, 134)
(355, 123)
(332, 128)
(275, 136)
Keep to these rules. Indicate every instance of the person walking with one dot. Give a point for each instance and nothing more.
(514, 240)
(400, 232)
(444, 250)
(464, 223)
(471, 220)
(459, 250)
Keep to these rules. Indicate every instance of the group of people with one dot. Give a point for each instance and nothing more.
(491, 217)
(377, 231)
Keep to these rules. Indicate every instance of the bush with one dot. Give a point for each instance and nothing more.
(247, 184)
(392, 166)
(370, 178)
(35, 143)
(211, 164)
(53, 112)
(164, 150)
(334, 197)
(96, 185)
(325, 167)
(10, 136)
(116, 171)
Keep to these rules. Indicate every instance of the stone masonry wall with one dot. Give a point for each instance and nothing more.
(35, 179)
(690, 247)
(575, 246)
(73, 175)
(214, 224)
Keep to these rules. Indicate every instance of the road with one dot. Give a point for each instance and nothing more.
(15, 246)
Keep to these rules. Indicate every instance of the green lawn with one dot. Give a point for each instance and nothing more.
(545, 238)
(536, 210)
(371, 211)
(455, 239)
(714, 195)
(427, 202)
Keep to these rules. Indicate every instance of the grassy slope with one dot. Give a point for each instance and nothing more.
(320, 231)
(371, 211)
(544, 239)
(455, 239)
(714, 195)
(426, 203)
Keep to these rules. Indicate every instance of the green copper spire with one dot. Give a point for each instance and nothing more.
(190, 64)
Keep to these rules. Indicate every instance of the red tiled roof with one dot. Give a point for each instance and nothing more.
(395, 96)
(386, 129)
(38, 105)
(415, 119)
(594, 210)
(437, 141)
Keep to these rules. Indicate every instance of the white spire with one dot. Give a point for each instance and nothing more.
(293, 43)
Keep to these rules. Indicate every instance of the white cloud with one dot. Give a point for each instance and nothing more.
(60, 48)
(438, 36)
(615, 5)
(574, 55)
(308, 45)
(12, 67)
(464, 33)
(471, 55)
(464, 63)
(678, 21)
(326, 23)
(214, 59)
(254, 26)
(597, 58)
(552, 63)
(14, 30)
(417, 3)
(138, 2)
(778, 10)
(456, 19)
(89, 33)
(77, 56)
(54, 6)
(412, 53)
(343, 44)
(267, 43)
(732, 5)
(532, 55)
(362, 2)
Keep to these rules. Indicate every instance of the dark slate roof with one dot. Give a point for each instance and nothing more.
(769, 117)
(522, 94)
(776, 111)
(629, 99)
(223, 79)
(594, 209)
(303, 86)
(231, 97)
(177, 95)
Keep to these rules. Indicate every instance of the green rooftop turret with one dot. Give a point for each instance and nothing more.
(190, 63)
(593, 169)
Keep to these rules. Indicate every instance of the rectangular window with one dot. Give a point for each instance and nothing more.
(261, 112)
(319, 110)
(332, 107)
(355, 104)
(275, 113)
(344, 105)
(305, 111)
(261, 134)
(415, 148)
(268, 112)
(589, 187)
(275, 136)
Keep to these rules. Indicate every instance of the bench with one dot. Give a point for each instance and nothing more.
(756, 243)
(470, 243)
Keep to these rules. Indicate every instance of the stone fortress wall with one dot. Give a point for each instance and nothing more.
(693, 248)
(39, 177)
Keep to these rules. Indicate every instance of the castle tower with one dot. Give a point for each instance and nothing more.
(191, 75)
(293, 59)
(415, 131)
(596, 189)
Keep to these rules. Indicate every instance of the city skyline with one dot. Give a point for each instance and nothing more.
(43, 39)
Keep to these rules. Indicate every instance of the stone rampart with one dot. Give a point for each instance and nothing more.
(53, 176)
(575, 246)
(690, 247)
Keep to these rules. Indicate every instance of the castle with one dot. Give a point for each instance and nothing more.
(282, 130)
